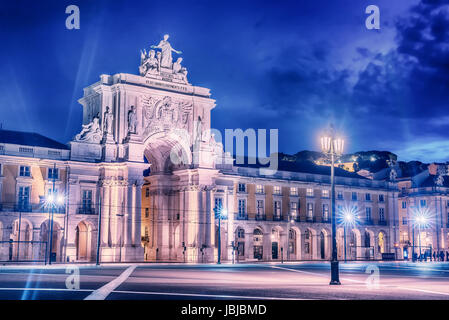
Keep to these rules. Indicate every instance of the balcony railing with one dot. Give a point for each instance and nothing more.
(382, 222)
(368, 222)
(59, 209)
(261, 217)
(295, 218)
(277, 218)
(86, 210)
(30, 208)
(241, 216)
(326, 220)
(23, 207)
(310, 219)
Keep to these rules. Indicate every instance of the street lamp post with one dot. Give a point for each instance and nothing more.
(413, 251)
(218, 210)
(419, 240)
(421, 220)
(344, 235)
(350, 217)
(333, 146)
(53, 200)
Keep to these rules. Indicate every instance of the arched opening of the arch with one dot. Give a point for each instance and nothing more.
(163, 233)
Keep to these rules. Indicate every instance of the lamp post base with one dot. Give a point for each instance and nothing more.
(334, 273)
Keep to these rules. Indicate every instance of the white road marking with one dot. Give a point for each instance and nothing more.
(46, 289)
(104, 291)
(425, 291)
(315, 274)
(346, 279)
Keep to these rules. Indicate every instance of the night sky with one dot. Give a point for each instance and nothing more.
(291, 65)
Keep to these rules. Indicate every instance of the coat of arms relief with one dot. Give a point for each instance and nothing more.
(165, 114)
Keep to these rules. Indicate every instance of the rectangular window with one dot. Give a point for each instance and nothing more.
(259, 188)
(147, 192)
(310, 210)
(422, 203)
(325, 212)
(260, 209)
(24, 171)
(242, 187)
(277, 209)
(242, 207)
(26, 150)
(340, 195)
(293, 209)
(24, 197)
(53, 173)
(354, 196)
(277, 190)
(404, 220)
(87, 201)
(368, 213)
(293, 191)
(325, 193)
(339, 209)
(218, 202)
(381, 198)
(368, 196)
(147, 212)
(381, 214)
(309, 192)
(404, 204)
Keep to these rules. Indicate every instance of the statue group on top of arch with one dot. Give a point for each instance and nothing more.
(160, 65)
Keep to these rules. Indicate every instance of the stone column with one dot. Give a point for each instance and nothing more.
(105, 213)
(192, 223)
(136, 217)
(249, 244)
(125, 192)
(163, 225)
(267, 246)
(229, 205)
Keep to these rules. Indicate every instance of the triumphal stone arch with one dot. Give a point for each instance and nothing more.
(151, 131)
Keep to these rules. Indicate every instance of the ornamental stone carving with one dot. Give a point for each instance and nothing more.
(163, 114)
(90, 132)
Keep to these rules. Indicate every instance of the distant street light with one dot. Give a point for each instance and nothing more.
(53, 200)
(421, 219)
(333, 147)
(349, 217)
(219, 213)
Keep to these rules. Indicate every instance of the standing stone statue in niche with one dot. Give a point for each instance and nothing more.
(166, 50)
(132, 120)
(91, 132)
(108, 120)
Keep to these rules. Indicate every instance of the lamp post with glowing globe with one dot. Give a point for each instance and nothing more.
(220, 213)
(332, 146)
(53, 200)
(349, 218)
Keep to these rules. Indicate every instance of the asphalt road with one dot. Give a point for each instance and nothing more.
(243, 281)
